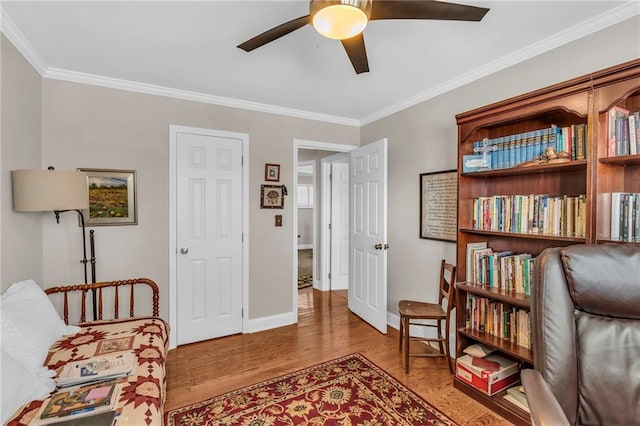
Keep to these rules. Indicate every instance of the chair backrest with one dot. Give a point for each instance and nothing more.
(447, 284)
(585, 319)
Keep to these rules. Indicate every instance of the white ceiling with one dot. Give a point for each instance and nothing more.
(188, 49)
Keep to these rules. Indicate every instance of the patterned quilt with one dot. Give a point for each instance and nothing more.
(142, 397)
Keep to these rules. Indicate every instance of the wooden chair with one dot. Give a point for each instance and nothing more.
(416, 313)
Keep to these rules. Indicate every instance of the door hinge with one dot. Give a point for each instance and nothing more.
(242, 237)
(329, 226)
(330, 176)
(329, 275)
(242, 161)
(242, 312)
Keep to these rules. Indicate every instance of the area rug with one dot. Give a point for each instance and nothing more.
(305, 266)
(346, 391)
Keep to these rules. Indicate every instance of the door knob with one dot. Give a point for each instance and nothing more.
(184, 250)
(378, 246)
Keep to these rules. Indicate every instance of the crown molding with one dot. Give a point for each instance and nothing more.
(612, 17)
(151, 89)
(11, 31)
(607, 19)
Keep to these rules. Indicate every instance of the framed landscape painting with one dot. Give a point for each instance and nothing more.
(112, 197)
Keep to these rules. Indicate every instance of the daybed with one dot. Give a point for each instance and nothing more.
(143, 394)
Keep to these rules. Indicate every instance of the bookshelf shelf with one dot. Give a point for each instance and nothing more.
(583, 100)
(520, 300)
(576, 240)
(496, 402)
(576, 165)
(623, 160)
(516, 351)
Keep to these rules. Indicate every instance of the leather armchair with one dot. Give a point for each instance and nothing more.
(585, 321)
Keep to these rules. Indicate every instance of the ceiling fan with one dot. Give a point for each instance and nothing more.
(345, 20)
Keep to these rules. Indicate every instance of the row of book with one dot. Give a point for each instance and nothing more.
(502, 270)
(623, 223)
(509, 151)
(531, 214)
(499, 319)
(623, 132)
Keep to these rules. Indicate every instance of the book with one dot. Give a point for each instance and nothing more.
(518, 397)
(471, 247)
(614, 131)
(97, 369)
(107, 418)
(78, 402)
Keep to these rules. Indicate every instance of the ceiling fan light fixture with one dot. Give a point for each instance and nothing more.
(340, 20)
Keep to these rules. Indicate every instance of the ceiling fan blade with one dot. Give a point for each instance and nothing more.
(425, 9)
(275, 33)
(357, 53)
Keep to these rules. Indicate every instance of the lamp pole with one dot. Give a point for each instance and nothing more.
(84, 260)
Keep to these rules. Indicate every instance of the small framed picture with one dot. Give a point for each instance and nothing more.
(272, 172)
(271, 197)
(112, 197)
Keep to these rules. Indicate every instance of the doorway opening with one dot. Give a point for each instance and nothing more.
(310, 220)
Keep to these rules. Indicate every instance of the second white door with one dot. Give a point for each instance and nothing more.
(368, 243)
(208, 236)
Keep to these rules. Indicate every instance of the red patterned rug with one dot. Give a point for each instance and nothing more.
(346, 391)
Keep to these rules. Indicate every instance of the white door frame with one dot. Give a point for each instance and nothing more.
(173, 249)
(325, 218)
(306, 144)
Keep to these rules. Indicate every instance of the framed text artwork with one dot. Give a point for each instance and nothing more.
(112, 197)
(439, 205)
(271, 197)
(272, 172)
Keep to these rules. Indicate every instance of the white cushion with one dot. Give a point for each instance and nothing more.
(478, 350)
(20, 386)
(29, 324)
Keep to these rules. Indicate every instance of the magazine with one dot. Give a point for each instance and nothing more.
(97, 369)
(78, 402)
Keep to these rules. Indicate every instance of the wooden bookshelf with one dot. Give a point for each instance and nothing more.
(583, 100)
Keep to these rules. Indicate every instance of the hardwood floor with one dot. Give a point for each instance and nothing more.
(325, 330)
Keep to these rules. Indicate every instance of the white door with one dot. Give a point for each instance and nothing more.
(368, 286)
(340, 225)
(208, 236)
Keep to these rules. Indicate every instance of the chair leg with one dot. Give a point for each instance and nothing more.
(446, 347)
(440, 337)
(400, 334)
(406, 345)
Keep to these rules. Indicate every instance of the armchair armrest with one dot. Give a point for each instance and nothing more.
(543, 405)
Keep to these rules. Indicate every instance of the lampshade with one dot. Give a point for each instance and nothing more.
(49, 190)
(341, 19)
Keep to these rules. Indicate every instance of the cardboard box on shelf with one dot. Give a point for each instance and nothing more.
(485, 380)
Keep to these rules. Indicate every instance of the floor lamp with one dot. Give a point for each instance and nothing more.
(56, 191)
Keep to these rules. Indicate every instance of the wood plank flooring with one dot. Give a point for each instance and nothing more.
(325, 330)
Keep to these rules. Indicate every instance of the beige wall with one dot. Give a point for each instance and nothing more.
(86, 126)
(424, 139)
(94, 127)
(21, 233)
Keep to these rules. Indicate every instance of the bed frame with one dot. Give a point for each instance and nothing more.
(98, 287)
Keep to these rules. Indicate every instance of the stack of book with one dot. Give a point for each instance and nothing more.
(517, 397)
(623, 129)
(563, 215)
(503, 270)
(89, 404)
(508, 151)
(499, 319)
(97, 369)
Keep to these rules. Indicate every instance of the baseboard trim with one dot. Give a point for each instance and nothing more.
(267, 323)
